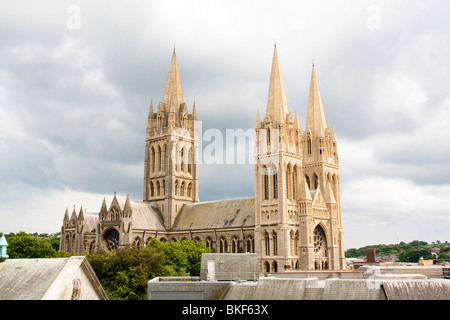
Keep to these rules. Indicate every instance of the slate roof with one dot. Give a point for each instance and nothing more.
(216, 214)
(28, 279)
(145, 216)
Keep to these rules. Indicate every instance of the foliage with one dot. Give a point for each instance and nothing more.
(24, 245)
(124, 273)
(406, 252)
(182, 256)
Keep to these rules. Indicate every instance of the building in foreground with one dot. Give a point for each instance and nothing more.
(292, 222)
(49, 279)
(233, 277)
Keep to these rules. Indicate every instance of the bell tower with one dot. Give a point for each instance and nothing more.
(322, 242)
(278, 168)
(171, 148)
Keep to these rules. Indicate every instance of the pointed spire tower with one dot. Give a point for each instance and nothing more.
(171, 146)
(278, 162)
(321, 173)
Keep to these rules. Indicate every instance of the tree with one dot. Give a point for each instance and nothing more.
(24, 245)
(184, 256)
(414, 254)
(124, 273)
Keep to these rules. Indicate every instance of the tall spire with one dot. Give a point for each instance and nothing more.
(315, 117)
(173, 95)
(277, 107)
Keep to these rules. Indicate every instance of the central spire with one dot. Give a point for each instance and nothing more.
(173, 95)
(277, 107)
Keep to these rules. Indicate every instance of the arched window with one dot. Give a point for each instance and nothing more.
(189, 161)
(266, 183)
(309, 145)
(223, 245)
(294, 184)
(250, 245)
(275, 185)
(208, 243)
(234, 245)
(307, 181)
(267, 243)
(288, 178)
(158, 189)
(316, 182)
(182, 160)
(275, 243)
(160, 160)
(152, 190)
(188, 194)
(182, 189)
(267, 266)
(153, 160)
(176, 187)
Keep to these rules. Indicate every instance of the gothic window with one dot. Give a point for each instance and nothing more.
(234, 245)
(267, 266)
(223, 245)
(112, 239)
(182, 189)
(182, 160)
(209, 243)
(319, 241)
(137, 243)
(307, 181)
(288, 175)
(316, 182)
(160, 160)
(275, 266)
(153, 160)
(266, 183)
(250, 245)
(267, 243)
(275, 185)
(176, 187)
(294, 175)
(189, 190)
(189, 161)
(309, 145)
(152, 191)
(158, 188)
(163, 188)
(275, 243)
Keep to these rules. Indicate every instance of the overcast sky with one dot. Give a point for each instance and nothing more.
(77, 77)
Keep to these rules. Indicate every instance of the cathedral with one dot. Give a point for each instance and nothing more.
(292, 222)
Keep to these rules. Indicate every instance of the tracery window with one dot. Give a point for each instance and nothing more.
(112, 239)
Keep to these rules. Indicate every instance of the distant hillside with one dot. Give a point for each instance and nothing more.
(406, 252)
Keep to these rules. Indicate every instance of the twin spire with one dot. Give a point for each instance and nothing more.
(277, 107)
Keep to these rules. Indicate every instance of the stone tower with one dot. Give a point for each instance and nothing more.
(278, 169)
(171, 144)
(320, 194)
(297, 206)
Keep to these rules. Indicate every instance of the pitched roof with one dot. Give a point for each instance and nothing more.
(144, 215)
(216, 214)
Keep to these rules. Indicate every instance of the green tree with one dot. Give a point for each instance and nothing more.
(24, 245)
(184, 256)
(124, 273)
(414, 254)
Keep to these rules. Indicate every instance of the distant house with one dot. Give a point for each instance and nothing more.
(49, 279)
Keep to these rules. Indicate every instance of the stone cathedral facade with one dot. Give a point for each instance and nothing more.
(293, 221)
